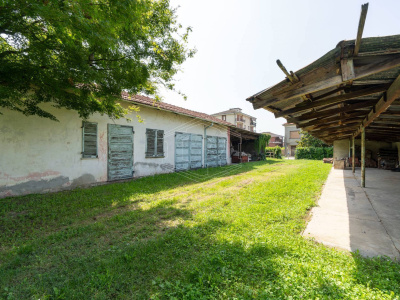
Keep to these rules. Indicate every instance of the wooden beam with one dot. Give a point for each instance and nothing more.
(392, 94)
(292, 77)
(363, 16)
(329, 119)
(363, 157)
(347, 108)
(330, 125)
(360, 72)
(332, 100)
(347, 67)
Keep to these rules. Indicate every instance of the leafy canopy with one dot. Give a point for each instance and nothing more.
(307, 140)
(82, 54)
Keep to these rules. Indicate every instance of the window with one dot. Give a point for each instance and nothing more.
(155, 143)
(89, 137)
(295, 134)
(223, 117)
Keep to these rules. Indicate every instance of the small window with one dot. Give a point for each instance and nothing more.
(223, 117)
(155, 143)
(89, 136)
(295, 134)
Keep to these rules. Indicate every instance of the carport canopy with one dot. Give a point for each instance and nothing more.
(353, 89)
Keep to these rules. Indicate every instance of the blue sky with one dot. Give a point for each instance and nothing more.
(238, 43)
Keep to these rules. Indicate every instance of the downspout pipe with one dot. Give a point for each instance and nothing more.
(205, 143)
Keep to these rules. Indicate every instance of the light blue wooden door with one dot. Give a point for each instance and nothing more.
(120, 152)
(188, 151)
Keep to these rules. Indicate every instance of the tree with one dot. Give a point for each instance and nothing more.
(307, 140)
(82, 54)
(260, 144)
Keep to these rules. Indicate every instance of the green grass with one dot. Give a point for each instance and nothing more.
(234, 234)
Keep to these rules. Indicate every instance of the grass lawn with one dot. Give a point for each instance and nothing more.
(223, 233)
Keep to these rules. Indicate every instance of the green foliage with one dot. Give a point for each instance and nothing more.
(317, 153)
(260, 144)
(277, 151)
(307, 140)
(82, 54)
(168, 237)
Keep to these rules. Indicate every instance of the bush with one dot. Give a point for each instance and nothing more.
(313, 152)
(277, 151)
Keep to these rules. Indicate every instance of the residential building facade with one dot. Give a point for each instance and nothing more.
(292, 137)
(238, 118)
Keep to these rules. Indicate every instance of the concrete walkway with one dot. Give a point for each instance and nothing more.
(353, 218)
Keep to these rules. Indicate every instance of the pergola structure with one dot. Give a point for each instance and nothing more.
(353, 89)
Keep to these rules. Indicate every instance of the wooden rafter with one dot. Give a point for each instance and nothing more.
(330, 112)
(333, 100)
(383, 64)
(392, 94)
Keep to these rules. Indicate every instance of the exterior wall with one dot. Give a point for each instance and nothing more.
(374, 146)
(276, 141)
(232, 118)
(341, 149)
(229, 118)
(289, 142)
(39, 155)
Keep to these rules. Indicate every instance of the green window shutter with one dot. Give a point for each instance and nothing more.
(151, 142)
(89, 145)
(155, 143)
(160, 143)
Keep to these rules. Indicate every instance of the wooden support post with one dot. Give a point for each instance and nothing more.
(363, 157)
(353, 166)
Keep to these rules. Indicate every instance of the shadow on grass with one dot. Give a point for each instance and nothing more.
(22, 216)
(158, 252)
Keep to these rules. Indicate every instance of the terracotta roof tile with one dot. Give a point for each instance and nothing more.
(169, 107)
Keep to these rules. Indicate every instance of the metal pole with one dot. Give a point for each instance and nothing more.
(353, 155)
(363, 157)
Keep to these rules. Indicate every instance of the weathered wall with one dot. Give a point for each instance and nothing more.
(374, 146)
(39, 155)
(341, 148)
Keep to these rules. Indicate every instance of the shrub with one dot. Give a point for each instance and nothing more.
(313, 152)
(277, 151)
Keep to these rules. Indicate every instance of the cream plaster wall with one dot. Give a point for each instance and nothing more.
(341, 148)
(39, 155)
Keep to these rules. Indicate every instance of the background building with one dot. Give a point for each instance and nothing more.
(238, 118)
(292, 137)
(276, 139)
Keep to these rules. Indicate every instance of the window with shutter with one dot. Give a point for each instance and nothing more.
(89, 136)
(155, 143)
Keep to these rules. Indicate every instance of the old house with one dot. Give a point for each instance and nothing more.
(39, 155)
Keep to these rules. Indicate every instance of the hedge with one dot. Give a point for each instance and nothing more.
(313, 152)
(276, 150)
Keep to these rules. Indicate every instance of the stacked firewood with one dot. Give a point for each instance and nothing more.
(387, 159)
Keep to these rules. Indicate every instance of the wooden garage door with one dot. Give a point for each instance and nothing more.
(188, 151)
(120, 152)
(216, 151)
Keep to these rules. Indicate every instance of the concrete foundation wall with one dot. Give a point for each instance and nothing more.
(341, 149)
(39, 155)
